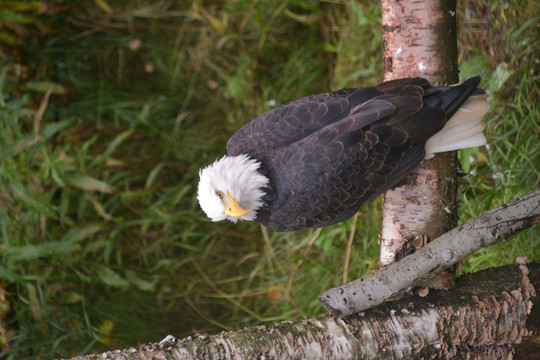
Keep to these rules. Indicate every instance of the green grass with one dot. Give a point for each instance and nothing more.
(509, 166)
(103, 244)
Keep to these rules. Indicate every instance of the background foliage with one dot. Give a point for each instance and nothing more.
(108, 108)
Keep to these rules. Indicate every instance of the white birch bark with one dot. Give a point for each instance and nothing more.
(482, 318)
(419, 39)
(487, 229)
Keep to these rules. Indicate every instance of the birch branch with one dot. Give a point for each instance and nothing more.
(482, 318)
(420, 39)
(487, 229)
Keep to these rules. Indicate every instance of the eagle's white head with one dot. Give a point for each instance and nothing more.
(231, 188)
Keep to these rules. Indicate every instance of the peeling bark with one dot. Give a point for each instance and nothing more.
(419, 39)
(415, 208)
(482, 318)
(487, 229)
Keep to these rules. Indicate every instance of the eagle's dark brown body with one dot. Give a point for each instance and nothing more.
(328, 154)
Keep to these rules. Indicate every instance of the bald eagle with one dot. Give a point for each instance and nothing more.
(316, 160)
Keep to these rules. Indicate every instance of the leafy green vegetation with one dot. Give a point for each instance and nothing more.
(502, 50)
(109, 108)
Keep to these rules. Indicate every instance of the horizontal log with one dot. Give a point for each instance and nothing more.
(481, 318)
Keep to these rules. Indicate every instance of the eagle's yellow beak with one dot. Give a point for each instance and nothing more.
(232, 207)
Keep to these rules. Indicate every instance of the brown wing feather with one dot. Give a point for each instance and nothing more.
(328, 154)
(297, 119)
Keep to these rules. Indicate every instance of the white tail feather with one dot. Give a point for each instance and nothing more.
(463, 130)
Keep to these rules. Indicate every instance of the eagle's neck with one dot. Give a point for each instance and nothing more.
(247, 182)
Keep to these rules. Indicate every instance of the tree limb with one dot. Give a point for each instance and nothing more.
(420, 39)
(487, 229)
(481, 318)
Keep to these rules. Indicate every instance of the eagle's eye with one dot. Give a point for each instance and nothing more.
(220, 194)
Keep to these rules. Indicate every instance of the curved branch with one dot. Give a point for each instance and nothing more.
(487, 229)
